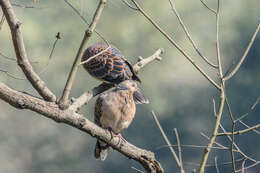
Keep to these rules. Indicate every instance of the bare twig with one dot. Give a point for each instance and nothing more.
(254, 130)
(210, 9)
(137, 170)
(176, 45)
(168, 142)
(217, 42)
(179, 148)
(250, 166)
(11, 75)
(216, 164)
(2, 21)
(193, 146)
(236, 146)
(85, 20)
(64, 99)
(243, 166)
(129, 5)
(23, 6)
(232, 73)
(232, 136)
(240, 131)
(90, 58)
(144, 62)
(251, 109)
(189, 36)
(8, 58)
(52, 50)
(218, 144)
(22, 60)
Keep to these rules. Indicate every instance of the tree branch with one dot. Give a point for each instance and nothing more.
(231, 74)
(51, 110)
(240, 131)
(175, 45)
(65, 95)
(22, 60)
(172, 3)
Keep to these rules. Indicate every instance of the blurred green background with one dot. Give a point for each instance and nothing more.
(179, 94)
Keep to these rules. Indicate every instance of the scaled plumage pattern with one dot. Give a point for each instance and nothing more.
(110, 67)
(114, 110)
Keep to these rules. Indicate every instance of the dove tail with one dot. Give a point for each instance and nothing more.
(101, 150)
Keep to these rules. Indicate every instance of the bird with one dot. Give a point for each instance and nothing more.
(110, 66)
(114, 110)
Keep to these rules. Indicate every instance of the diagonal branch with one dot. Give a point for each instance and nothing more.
(168, 143)
(65, 95)
(22, 60)
(231, 74)
(175, 45)
(172, 3)
(51, 110)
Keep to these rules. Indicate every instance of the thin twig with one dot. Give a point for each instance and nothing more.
(193, 146)
(24, 6)
(167, 141)
(90, 58)
(217, 42)
(215, 142)
(235, 145)
(11, 75)
(179, 148)
(189, 36)
(250, 166)
(144, 61)
(2, 21)
(254, 130)
(85, 20)
(251, 109)
(64, 99)
(232, 136)
(8, 58)
(240, 131)
(216, 164)
(130, 6)
(137, 170)
(52, 50)
(176, 45)
(232, 73)
(243, 166)
(202, 1)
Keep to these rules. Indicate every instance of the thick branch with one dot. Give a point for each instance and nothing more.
(51, 110)
(64, 99)
(22, 60)
(214, 133)
(84, 98)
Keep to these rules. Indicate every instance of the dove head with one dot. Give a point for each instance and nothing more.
(129, 85)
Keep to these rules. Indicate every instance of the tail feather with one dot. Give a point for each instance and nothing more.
(101, 150)
(139, 97)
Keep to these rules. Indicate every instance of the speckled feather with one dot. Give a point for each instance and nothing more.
(110, 66)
